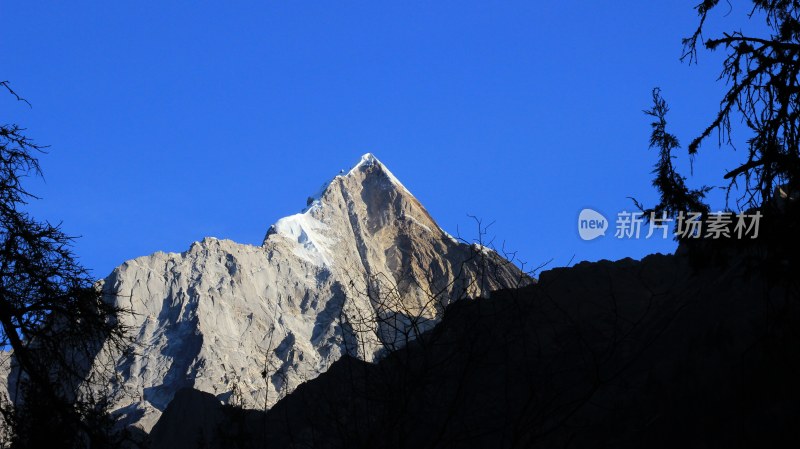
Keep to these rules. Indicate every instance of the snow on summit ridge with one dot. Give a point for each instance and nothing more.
(308, 229)
(367, 160)
(351, 274)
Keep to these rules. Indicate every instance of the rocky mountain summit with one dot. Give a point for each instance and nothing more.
(360, 272)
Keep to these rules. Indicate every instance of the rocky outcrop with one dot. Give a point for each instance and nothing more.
(361, 271)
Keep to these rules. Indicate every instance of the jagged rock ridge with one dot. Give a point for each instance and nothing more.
(363, 269)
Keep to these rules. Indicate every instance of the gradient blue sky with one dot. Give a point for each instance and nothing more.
(169, 121)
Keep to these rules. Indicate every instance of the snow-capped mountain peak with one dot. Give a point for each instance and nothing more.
(369, 161)
(359, 271)
(313, 229)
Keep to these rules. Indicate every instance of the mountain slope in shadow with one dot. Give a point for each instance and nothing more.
(652, 353)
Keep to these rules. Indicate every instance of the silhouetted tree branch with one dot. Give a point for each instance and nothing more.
(52, 316)
(675, 197)
(764, 93)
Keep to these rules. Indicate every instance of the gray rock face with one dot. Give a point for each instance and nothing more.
(6, 356)
(361, 271)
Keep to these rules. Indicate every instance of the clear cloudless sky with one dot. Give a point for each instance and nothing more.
(169, 121)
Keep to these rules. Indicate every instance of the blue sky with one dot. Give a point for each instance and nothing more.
(169, 121)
